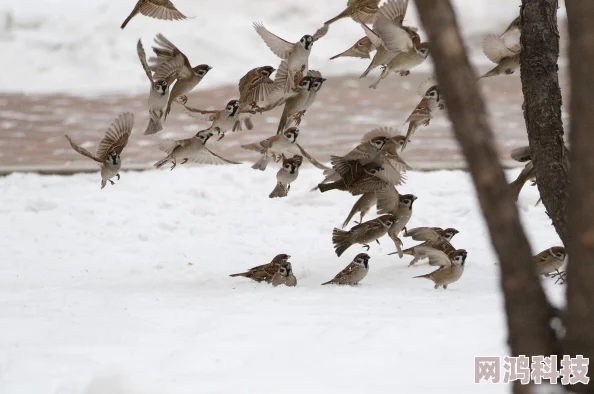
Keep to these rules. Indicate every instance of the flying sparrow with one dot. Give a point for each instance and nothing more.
(549, 260)
(254, 88)
(504, 50)
(403, 62)
(361, 11)
(360, 49)
(296, 54)
(158, 9)
(424, 111)
(273, 147)
(189, 77)
(159, 93)
(110, 147)
(354, 273)
(284, 276)
(363, 205)
(389, 201)
(286, 175)
(441, 242)
(191, 149)
(363, 233)
(296, 106)
(264, 273)
(451, 266)
(221, 120)
(357, 178)
(389, 36)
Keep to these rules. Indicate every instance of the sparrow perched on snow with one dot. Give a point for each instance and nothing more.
(110, 147)
(284, 276)
(363, 233)
(361, 49)
(254, 88)
(549, 260)
(189, 77)
(191, 149)
(389, 36)
(424, 111)
(362, 11)
(277, 145)
(353, 273)
(451, 266)
(158, 9)
(403, 62)
(296, 106)
(357, 178)
(363, 205)
(389, 201)
(159, 93)
(296, 54)
(222, 120)
(528, 172)
(265, 272)
(504, 50)
(436, 238)
(286, 175)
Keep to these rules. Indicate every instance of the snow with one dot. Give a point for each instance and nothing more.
(75, 46)
(126, 290)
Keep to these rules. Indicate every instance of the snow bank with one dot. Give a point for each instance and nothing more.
(127, 288)
(77, 46)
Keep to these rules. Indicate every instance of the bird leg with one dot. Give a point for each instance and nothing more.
(298, 117)
(560, 275)
(221, 136)
(174, 164)
(377, 240)
(367, 247)
(112, 182)
(185, 161)
(182, 99)
(118, 175)
(405, 73)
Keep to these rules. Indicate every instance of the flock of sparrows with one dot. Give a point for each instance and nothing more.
(371, 170)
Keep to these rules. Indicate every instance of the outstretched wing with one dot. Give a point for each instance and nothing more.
(349, 170)
(313, 161)
(206, 156)
(166, 51)
(436, 257)
(277, 45)
(81, 150)
(161, 9)
(205, 115)
(388, 25)
(321, 32)
(387, 200)
(116, 137)
(142, 57)
(495, 49)
(423, 233)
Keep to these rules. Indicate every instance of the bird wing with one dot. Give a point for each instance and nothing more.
(394, 37)
(394, 11)
(256, 92)
(321, 32)
(313, 161)
(161, 9)
(142, 57)
(521, 154)
(364, 11)
(495, 49)
(116, 137)
(277, 45)
(347, 271)
(436, 257)
(170, 71)
(166, 51)
(375, 39)
(387, 200)
(362, 151)
(348, 170)
(378, 132)
(421, 112)
(205, 115)
(423, 233)
(262, 146)
(368, 183)
(206, 156)
(81, 150)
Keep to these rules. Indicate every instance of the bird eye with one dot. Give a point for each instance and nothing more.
(406, 201)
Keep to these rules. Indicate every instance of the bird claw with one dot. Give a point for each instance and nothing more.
(118, 175)
(221, 136)
(112, 182)
(185, 161)
(560, 275)
(183, 99)
(367, 247)
(173, 166)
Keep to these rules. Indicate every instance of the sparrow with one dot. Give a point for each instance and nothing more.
(191, 149)
(110, 147)
(159, 93)
(363, 233)
(363, 205)
(431, 233)
(221, 120)
(296, 54)
(361, 49)
(264, 273)
(528, 173)
(357, 178)
(403, 62)
(254, 88)
(362, 11)
(286, 175)
(451, 266)
(284, 276)
(296, 106)
(503, 50)
(158, 9)
(439, 239)
(424, 111)
(549, 260)
(189, 77)
(298, 94)
(354, 273)
(389, 36)
(389, 201)
(273, 147)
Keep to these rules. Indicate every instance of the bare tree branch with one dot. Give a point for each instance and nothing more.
(527, 309)
(542, 107)
(579, 339)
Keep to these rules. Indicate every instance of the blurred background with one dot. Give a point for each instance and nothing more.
(68, 67)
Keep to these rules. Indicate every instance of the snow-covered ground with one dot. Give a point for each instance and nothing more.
(76, 46)
(126, 290)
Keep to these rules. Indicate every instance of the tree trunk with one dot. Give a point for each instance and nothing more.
(528, 312)
(542, 107)
(579, 339)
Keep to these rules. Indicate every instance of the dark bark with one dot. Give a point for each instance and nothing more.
(579, 321)
(542, 107)
(528, 311)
